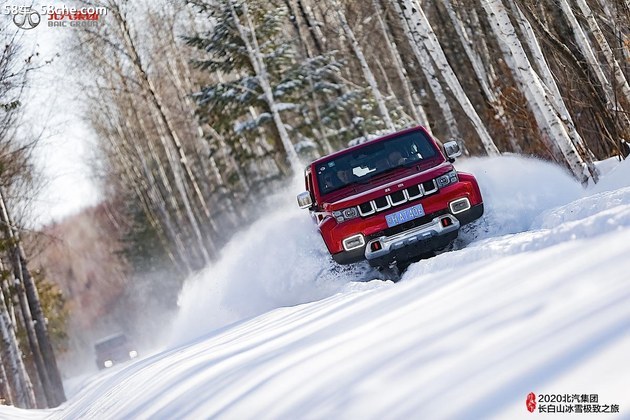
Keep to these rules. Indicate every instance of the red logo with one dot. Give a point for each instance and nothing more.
(530, 402)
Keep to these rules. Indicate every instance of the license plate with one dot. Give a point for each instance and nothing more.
(405, 215)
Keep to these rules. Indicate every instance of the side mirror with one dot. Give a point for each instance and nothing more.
(452, 150)
(304, 200)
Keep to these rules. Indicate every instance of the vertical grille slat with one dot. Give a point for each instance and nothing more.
(397, 198)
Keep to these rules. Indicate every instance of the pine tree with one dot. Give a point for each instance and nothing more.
(313, 104)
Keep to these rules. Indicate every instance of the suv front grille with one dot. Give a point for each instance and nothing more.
(397, 198)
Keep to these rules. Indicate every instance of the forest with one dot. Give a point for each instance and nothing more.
(201, 108)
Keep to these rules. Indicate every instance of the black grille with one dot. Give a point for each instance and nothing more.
(365, 207)
(414, 192)
(429, 186)
(397, 196)
(381, 202)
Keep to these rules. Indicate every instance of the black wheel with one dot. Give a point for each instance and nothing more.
(389, 273)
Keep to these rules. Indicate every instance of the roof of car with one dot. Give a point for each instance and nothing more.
(110, 337)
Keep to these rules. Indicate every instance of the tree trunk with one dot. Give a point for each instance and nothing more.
(18, 380)
(365, 68)
(51, 379)
(549, 82)
(425, 63)
(424, 35)
(170, 135)
(258, 63)
(549, 122)
(596, 32)
(416, 110)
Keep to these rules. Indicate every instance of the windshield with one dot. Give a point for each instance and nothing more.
(111, 343)
(374, 159)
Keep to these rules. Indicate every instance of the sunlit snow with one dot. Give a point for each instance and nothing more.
(534, 298)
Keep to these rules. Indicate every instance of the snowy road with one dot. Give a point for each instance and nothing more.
(537, 301)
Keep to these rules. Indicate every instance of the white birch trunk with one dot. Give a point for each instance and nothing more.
(319, 38)
(178, 179)
(426, 65)
(12, 357)
(132, 121)
(607, 52)
(170, 136)
(424, 35)
(583, 43)
(417, 110)
(145, 186)
(365, 68)
(530, 84)
(484, 78)
(473, 57)
(180, 78)
(258, 63)
(553, 92)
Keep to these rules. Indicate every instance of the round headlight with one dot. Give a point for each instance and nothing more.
(350, 213)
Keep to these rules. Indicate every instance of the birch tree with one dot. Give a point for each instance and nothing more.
(365, 68)
(250, 41)
(549, 83)
(170, 140)
(411, 98)
(423, 34)
(552, 126)
(606, 51)
(584, 45)
(428, 69)
(48, 370)
(18, 381)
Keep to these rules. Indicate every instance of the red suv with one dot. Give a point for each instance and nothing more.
(390, 200)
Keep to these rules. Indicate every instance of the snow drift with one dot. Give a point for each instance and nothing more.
(537, 301)
(282, 261)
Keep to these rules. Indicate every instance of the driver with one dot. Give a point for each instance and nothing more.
(395, 158)
(345, 175)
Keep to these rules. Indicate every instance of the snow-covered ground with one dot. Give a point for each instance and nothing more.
(535, 299)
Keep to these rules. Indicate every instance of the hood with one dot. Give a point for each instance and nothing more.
(358, 193)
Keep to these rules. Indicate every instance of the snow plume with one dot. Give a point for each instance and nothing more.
(515, 191)
(278, 261)
(467, 334)
(281, 260)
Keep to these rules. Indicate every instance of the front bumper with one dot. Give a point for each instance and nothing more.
(411, 243)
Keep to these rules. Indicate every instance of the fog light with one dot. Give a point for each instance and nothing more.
(133, 354)
(353, 242)
(108, 363)
(459, 205)
(375, 246)
(446, 222)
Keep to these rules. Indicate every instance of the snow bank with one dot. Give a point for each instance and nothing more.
(516, 190)
(279, 261)
(615, 178)
(537, 302)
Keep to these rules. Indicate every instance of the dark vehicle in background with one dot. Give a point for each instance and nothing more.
(391, 200)
(113, 350)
